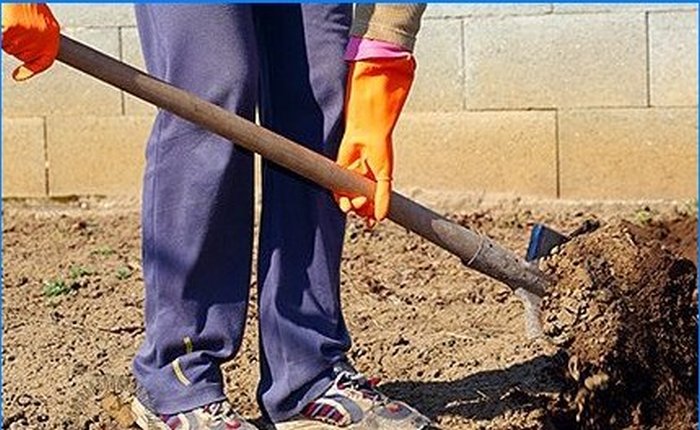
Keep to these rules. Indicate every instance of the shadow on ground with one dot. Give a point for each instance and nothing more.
(486, 395)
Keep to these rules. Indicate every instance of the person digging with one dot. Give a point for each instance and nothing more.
(318, 76)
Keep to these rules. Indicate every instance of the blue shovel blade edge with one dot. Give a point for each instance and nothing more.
(542, 240)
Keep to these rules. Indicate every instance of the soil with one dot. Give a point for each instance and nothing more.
(624, 307)
(447, 340)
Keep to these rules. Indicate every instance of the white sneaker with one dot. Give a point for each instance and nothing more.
(214, 416)
(353, 402)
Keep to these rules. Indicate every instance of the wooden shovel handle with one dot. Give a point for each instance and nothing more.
(476, 251)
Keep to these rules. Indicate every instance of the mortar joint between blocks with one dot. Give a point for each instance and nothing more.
(44, 123)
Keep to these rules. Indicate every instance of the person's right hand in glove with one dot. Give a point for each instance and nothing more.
(31, 34)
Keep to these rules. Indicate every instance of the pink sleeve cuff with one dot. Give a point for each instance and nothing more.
(361, 49)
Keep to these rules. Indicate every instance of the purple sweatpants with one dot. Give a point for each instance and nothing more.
(287, 60)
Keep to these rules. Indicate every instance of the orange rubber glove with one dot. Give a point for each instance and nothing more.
(31, 33)
(377, 89)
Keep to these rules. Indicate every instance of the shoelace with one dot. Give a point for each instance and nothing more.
(358, 382)
(327, 410)
(220, 411)
(368, 388)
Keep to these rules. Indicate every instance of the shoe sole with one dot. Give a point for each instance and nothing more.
(305, 425)
(315, 425)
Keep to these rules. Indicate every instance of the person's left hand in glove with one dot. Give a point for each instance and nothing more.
(31, 33)
(377, 89)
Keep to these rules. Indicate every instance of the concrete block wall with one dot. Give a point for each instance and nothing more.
(67, 134)
(554, 100)
(594, 101)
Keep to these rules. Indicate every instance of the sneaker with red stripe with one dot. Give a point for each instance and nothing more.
(353, 402)
(214, 416)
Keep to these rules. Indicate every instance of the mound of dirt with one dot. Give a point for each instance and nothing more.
(624, 308)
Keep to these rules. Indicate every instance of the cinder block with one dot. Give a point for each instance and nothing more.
(96, 155)
(620, 7)
(451, 10)
(628, 153)
(94, 15)
(61, 89)
(131, 48)
(555, 61)
(502, 152)
(439, 81)
(673, 49)
(23, 157)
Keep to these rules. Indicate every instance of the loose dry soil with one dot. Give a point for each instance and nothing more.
(621, 351)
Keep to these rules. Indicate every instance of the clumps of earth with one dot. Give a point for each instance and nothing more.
(624, 307)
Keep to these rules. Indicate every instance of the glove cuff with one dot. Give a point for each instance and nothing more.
(377, 90)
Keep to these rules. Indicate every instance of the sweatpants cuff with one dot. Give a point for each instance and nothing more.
(187, 401)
